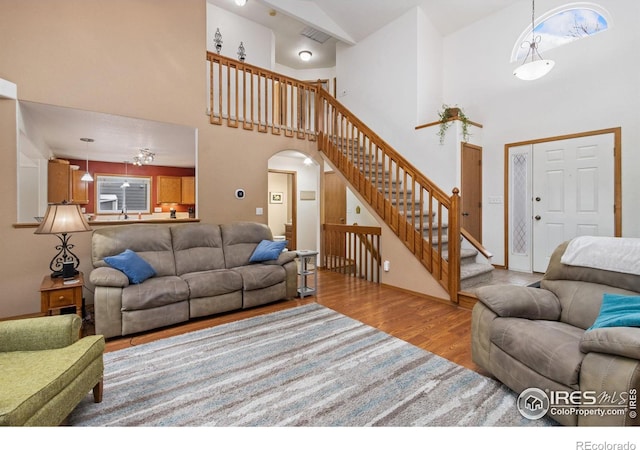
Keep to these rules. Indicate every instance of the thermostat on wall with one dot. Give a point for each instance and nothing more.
(240, 194)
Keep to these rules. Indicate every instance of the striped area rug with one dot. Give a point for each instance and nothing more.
(305, 366)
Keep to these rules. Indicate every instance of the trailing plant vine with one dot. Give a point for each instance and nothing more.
(446, 116)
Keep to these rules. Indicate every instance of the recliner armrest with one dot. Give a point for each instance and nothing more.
(520, 301)
(108, 276)
(621, 341)
(283, 258)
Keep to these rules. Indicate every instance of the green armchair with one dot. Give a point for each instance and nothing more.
(46, 369)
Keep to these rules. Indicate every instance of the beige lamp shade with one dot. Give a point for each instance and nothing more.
(63, 218)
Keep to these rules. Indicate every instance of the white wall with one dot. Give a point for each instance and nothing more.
(33, 154)
(393, 82)
(594, 85)
(308, 74)
(258, 40)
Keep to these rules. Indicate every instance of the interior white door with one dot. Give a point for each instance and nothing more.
(573, 192)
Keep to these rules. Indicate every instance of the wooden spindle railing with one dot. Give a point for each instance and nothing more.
(419, 212)
(352, 250)
(422, 215)
(259, 99)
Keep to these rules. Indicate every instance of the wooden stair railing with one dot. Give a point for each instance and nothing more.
(352, 250)
(422, 215)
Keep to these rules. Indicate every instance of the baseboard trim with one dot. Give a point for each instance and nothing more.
(419, 294)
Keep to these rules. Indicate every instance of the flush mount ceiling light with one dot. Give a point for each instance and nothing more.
(305, 55)
(241, 2)
(537, 67)
(87, 176)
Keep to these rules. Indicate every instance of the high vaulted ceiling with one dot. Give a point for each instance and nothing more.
(349, 21)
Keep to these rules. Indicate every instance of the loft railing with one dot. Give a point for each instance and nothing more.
(422, 215)
(240, 93)
(352, 250)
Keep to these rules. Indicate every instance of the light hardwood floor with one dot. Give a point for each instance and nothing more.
(435, 326)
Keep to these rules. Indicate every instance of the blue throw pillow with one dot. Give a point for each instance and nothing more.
(618, 311)
(132, 265)
(268, 250)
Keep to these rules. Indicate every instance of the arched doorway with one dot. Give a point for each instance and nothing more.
(297, 210)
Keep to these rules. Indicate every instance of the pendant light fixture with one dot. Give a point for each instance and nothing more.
(536, 68)
(126, 182)
(87, 176)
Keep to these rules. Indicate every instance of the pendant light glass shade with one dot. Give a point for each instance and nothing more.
(126, 182)
(87, 176)
(534, 69)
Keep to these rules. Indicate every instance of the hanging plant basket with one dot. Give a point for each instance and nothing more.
(446, 115)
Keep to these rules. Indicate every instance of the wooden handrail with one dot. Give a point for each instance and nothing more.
(473, 241)
(380, 142)
(418, 211)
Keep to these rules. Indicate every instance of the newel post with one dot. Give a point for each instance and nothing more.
(453, 246)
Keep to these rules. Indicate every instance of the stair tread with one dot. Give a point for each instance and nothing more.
(464, 253)
(471, 270)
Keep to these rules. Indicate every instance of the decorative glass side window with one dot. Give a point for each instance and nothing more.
(563, 25)
(121, 194)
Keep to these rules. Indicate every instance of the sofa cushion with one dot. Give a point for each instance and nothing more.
(134, 267)
(239, 240)
(268, 251)
(212, 282)
(259, 276)
(197, 247)
(152, 242)
(154, 292)
(550, 348)
(618, 311)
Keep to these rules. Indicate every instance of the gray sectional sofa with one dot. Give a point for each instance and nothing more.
(201, 269)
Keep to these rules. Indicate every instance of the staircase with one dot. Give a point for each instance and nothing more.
(423, 216)
(472, 272)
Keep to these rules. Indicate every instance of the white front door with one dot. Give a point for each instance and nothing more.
(573, 192)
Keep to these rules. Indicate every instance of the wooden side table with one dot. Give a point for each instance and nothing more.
(57, 293)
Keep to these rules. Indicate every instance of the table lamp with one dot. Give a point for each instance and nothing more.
(61, 219)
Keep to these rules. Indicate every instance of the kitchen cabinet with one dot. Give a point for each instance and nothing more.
(58, 181)
(169, 189)
(188, 191)
(79, 188)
